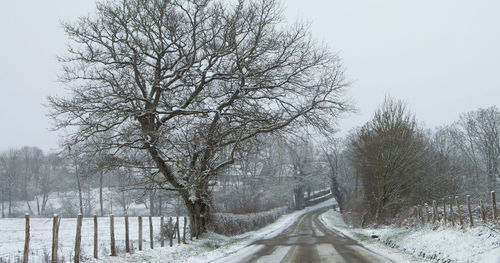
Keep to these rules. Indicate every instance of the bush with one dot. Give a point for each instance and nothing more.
(234, 224)
(355, 211)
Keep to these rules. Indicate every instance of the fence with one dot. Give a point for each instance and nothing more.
(456, 211)
(94, 230)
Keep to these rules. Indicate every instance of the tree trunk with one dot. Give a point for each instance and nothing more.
(101, 175)
(3, 202)
(80, 198)
(151, 202)
(160, 204)
(334, 188)
(10, 202)
(38, 210)
(378, 212)
(299, 197)
(29, 207)
(491, 177)
(25, 192)
(45, 198)
(88, 208)
(45, 192)
(198, 213)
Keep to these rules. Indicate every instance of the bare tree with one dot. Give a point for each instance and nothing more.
(183, 81)
(444, 174)
(333, 156)
(32, 161)
(3, 183)
(53, 165)
(260, 178)
(77, 162)
(102, 163)
(477, 134)
(304, 168)
(390, 154)
(11, 163)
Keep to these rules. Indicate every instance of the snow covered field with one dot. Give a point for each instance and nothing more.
(216, 248)
(12, 237)
(444, 244)
(479, 244)
(213, 247)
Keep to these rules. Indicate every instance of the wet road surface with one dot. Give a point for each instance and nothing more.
(307, 240)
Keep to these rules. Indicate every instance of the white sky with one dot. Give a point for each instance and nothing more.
(442, 57)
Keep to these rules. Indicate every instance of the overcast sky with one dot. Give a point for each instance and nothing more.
(441, 57)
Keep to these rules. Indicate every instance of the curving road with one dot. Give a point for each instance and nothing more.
(308, 240)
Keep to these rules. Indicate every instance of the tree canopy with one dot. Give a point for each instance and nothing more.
(187, 82)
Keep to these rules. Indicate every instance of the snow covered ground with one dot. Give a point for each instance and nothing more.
(443, 244)
(216, 248)
(12, 237)
(213, 247)
(480, 244)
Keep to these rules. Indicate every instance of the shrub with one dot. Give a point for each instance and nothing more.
(234, 224)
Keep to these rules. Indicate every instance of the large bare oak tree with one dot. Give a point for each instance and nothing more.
(185, 83)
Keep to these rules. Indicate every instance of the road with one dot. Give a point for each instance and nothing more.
(307, 240)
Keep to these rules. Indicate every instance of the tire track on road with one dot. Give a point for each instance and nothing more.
(309, 240)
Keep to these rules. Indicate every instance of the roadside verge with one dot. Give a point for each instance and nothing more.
(423, 244)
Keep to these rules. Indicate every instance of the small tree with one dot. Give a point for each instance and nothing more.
(390, 154)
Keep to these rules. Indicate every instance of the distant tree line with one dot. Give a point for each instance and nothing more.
(73, 182)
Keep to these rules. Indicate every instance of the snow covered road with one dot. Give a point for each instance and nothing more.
(306, 240)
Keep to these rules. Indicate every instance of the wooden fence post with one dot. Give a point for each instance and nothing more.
(470, 211)
(494, 204)
(150, 232)
(415, 213)
(184, 231)
(427, 213)
(162, 232)
(435, 212)
(78, 238)
(171, 231)
(198, 224)
(452, 216)
(55, 238)
(26, 238)
(95, 238)
(191, 228)
(139, 221)
(127, 240)
(178, 231)
(483, 211)
(459, 211)
(112, 234)
(445, 215)
(421, 211)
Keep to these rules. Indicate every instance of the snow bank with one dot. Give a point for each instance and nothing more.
(442, 244)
